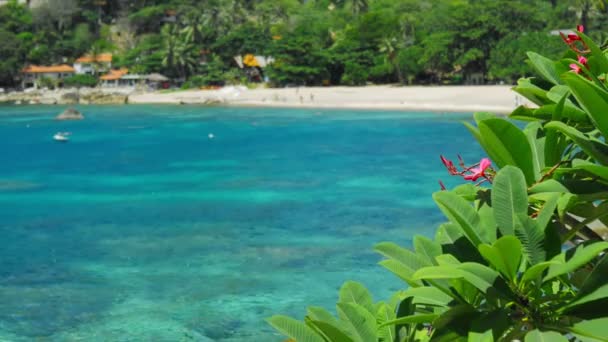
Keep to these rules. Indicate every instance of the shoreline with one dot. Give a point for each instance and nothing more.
(451, 99)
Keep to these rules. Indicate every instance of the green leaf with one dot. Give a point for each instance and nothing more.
(427, 248)
(504, 255)
(480, 280)
(534, 272)
(597, 278)
(509, 198)
(546, 212)
(600, 293)
(545, 67)
(361, 323)
(582, 256)
(460, 212)
(549, 185)
(532, 92)
(400, 270)
(592, 148)
(385, 314)
(426, 318)
(330, 331)
(452, 240)
(428, 295)
(532, 238)
(506, 145)
(317, 313)
(481, 337)
(354, 292)
(487, 223)
(537, 146)
(592, 98)
(597, 53)
(480, 116)
(545, 336)
(294, 329)
(595, 328)
(597, 170)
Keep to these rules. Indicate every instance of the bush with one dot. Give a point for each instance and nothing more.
(46, 82)
(354, 74)
(514, 261)
(80, 81)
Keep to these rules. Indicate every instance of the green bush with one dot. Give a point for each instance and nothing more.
(46, 82)
(80, 81)
(514, 261)
(354, 74)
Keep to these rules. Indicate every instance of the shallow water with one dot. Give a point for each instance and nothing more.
(141, 228)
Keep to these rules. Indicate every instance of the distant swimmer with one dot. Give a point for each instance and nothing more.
(211, 136)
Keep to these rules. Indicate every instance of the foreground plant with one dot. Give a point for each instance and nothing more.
(519, 260)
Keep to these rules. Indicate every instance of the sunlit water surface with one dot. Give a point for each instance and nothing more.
(142, 228)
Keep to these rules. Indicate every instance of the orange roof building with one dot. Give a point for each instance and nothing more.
(93, 65)
(52, 69)
(101, 58)
(32, 75)
(114, 75)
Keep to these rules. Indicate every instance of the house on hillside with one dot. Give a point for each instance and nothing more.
(91, 65)
(32, 74)
(122, 78)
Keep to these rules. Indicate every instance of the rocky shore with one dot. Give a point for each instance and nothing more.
(68, 96)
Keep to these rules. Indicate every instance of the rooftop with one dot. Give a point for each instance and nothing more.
(101, 58)
(114, 74)
(37, 69)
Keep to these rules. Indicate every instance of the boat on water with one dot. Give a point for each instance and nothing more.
(61, 136)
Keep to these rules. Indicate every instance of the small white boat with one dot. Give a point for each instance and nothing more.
(61, 136)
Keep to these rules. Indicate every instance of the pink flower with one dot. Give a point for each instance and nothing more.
(479, 171)
(582, 60)
(449, 165)
(575, 68)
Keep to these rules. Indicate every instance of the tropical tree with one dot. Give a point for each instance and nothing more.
(390, 47)
(180, 55)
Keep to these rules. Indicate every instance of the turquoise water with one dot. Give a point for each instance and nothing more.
(141, 228)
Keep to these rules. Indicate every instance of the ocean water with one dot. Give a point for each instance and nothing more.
(142, 228)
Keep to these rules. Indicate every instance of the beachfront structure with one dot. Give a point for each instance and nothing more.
(91, 65)
(32, 74)
(121, 78)
(253, 61)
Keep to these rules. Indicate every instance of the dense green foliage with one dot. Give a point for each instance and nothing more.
(80, 81)
(517, 260)
(348, 42)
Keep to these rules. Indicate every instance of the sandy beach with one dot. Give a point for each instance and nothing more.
(496, 99)
(499, 99)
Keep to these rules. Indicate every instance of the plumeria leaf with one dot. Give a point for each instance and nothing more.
(361, 323)
(294, 329)
(544, 336)
(504, 255)
(582, 256)
(592, 98)
(545, 67)
(507, 145)
(592, 148)
(354, 292)
(509, 198)
(460, 212)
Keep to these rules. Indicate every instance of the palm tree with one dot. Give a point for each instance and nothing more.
(391, 46)
(180, 52)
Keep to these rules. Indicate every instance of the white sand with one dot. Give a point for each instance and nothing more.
(498, 99)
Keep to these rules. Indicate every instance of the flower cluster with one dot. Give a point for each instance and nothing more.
(473, 173)
(572, 39)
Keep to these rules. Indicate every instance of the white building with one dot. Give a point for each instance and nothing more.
(93, 65)
(33, 73)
